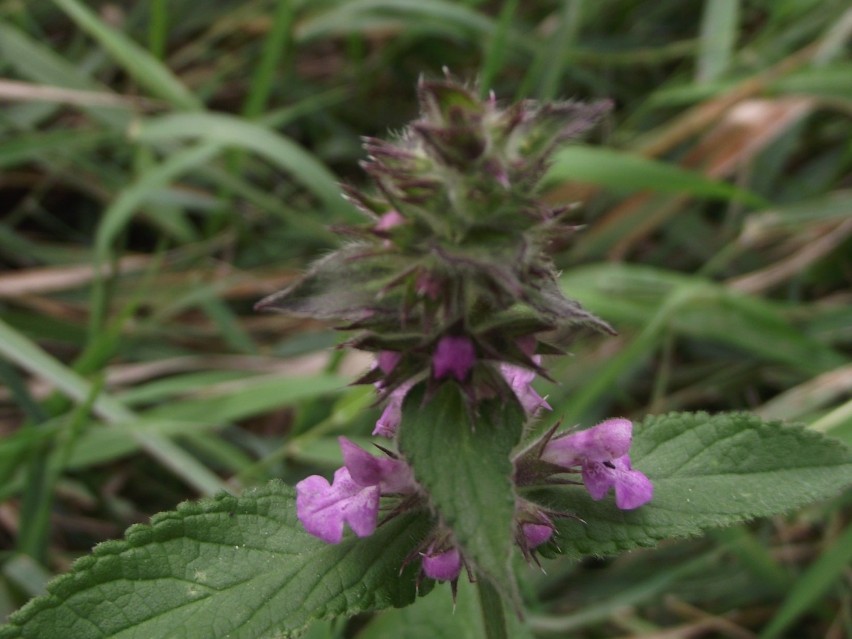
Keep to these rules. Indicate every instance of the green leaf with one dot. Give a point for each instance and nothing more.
(19, 349)
(810, 588)
(697, 308)
(707, 471)
(121, 209)
(717, 39)
(32, 59)
(631, 172)
(465, 469)
(237, 567)
(349, 17)
(231, 131)
(831, 82)
(38, 146)
(138, 63)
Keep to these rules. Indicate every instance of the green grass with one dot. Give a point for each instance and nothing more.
(185, 163)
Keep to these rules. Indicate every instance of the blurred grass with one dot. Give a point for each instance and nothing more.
(164, 167)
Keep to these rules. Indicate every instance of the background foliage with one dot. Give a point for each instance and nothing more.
(162, 168)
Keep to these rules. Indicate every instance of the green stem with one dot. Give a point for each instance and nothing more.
(492, 610)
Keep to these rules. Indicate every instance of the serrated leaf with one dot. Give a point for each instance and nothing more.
(237, 567)
(707, 471)
(465, 469)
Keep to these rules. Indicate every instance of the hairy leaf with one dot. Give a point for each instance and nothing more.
(465, 468)
(707, 471)
(342, 286)
(237, 567)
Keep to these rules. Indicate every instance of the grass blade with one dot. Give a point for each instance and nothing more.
(139, 64)
(27, 355)
(620, 170)
(812, 585)
(277, 43)
(717, 39)
(232, 131)
(118, 214)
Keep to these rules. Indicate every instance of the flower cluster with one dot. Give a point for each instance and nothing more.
(450, 282)
(600, 453)
(455, 358)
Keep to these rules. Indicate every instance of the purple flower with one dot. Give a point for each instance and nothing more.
(387, 361)
(323, 508)
(353, 497)
(632, 487)
(602, 453)
(520, 379)
(442, 566)
(454, 355)
(536, 534)
(391, 416)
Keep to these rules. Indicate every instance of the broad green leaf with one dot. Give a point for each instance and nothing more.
(464, 467)
(618, 169)
(707, 471)
(236, 567)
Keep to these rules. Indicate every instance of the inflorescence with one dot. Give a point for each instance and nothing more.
(450, 282)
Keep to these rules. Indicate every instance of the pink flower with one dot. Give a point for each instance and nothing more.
(323, 508)
(602, 454)
(536, 534)
(454, 356)
(388, 221)
(391, 416)
(353, 497)
(520, 379)
(442, 566)
(387, 361)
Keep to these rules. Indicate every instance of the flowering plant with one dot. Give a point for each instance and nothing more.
(449, 284)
